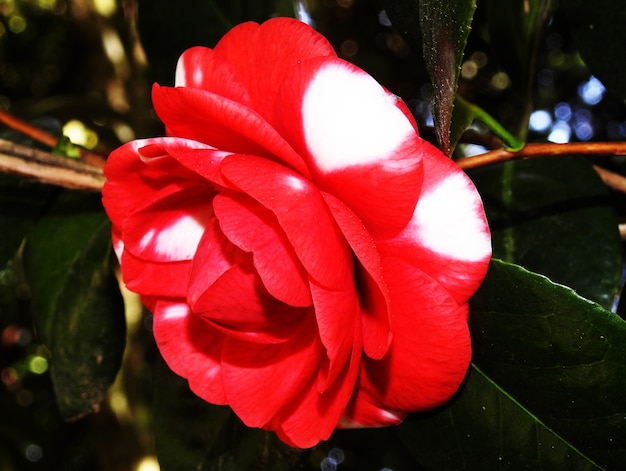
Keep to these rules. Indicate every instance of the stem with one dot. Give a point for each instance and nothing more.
(46, 138)
(49, 168)
(547, 149)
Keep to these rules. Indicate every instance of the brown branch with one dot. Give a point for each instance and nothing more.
(544, 150)
(49, 168)
(46, 138)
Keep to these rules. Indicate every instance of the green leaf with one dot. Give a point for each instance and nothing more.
(515, 30)
(560, 355)
(444, 28)
(76, 301)
(554, 216)
(599, 34)
(483, 427)
(191, 434)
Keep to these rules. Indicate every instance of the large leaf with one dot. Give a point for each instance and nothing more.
(599, 34)
(554, 216)
(561, 356)
(77, 305)
(483, 427)
(444, 28)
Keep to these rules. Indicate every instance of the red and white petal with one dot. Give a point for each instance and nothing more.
(170, 228)
(199, 67)
(221, 123)
(431, 348)
(359, 143)
(260, 380)
(270, 51)
(191, 348)
(253, 228)
(448, 236)
(370, 282)
(301, 213)
(150, 278)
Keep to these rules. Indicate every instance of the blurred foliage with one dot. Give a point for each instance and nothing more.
(547, 385)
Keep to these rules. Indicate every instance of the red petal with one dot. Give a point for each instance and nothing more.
(301, 213)
(260, 380)
(222, 123)
(431, 347)
(372, 289)
(200, 67)
(255, 229)
(261, 56)
(151, 278)
(314, 416)
(357, 141)
(191, 348)
(448, 236)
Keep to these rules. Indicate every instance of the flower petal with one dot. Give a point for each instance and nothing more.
(262, 379)
(301, 213)
(448, 236)
(221, 123)
(357, 140)
(253, 228)
(431, 347)
(191, 348)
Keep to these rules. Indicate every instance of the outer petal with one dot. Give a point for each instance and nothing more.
(356, 138)
(431, 347)
(221, 123)
(261, 56)
(448, 236)
(191, 348)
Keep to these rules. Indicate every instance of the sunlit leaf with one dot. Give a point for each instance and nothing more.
(444, 27)
(554, 216)
(76, 301)
(560, 355)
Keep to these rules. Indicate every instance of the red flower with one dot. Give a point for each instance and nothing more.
(307, 257)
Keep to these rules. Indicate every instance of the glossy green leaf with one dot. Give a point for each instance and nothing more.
(444, 27)
(599, 34)
(76, 302)
(554, 216)
(483, 427)
(560, 355)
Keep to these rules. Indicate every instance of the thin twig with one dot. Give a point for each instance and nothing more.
(49, 168)
(547, 149)
(46, 138)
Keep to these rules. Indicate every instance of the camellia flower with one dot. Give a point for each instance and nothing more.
(307, 257)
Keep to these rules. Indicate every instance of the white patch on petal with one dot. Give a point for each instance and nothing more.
(174, 311)
(178, 241)
(118, 248)
(179, 78)
(449, 220)
(349, 119)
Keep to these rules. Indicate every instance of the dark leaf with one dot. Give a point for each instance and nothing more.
(554, 216)
(444, 28)
(599, 33)
(483, 427)
(560, 355)
(76, 302)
